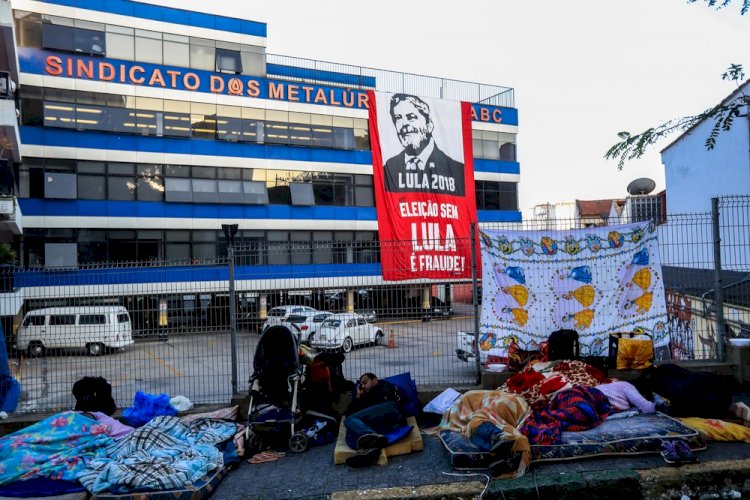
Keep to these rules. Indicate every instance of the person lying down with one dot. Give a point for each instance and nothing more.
(490, 420)
(624, 396)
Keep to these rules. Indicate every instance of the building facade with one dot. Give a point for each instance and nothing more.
(145, 128)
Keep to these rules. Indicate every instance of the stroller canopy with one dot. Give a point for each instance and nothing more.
(276, 359)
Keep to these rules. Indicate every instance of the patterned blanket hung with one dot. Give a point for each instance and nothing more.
(577, 409)
(57, 448)
(539, 382)
(165, 454)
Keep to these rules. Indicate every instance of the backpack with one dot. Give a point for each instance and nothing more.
(563, 344)
(94, 394)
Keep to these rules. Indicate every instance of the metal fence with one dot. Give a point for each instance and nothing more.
(359, 77)
(195, 325)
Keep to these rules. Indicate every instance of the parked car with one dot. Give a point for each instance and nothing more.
(344, 331)
(306, 326)
(465, 350)
(279, 314)
(94, 328)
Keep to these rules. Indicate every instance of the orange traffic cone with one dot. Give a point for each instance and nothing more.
(392, 340)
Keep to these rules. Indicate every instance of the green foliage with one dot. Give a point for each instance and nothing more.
(633, 146)
(720, 4)
(7, 254)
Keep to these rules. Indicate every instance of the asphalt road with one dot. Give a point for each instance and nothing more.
(199, 365)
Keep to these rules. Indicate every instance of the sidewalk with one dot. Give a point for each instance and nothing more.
(423, 475)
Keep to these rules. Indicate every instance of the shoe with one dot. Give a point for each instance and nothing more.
(501, 447)
(670, 454)
(368, 441)
(686, 454)
(364, 458)
(505, 465)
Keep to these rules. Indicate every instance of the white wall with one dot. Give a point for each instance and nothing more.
(694, 174)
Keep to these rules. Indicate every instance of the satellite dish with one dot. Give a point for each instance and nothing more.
(644, 185)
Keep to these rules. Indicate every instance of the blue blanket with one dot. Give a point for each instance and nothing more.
(165, 454)
(57, 448)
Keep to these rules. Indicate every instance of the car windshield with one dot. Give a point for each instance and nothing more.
(296, 319)
(276, 313)
(331, 323)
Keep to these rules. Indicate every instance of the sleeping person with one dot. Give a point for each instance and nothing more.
(624, 396)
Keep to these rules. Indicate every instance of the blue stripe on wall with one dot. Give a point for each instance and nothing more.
(320, 75)
(168, 15)
(48, 136)
(174, 274)
(109, 208)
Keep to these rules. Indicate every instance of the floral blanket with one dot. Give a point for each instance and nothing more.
(57, 448)
(165, 454)
(539, 382)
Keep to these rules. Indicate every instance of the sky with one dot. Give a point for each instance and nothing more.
(582, 70)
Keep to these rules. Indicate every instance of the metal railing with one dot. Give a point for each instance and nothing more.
(185, 343)
(360, 77)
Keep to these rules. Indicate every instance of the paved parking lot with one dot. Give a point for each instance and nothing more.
(198, 365)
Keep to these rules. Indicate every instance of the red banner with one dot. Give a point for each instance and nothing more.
(424, 189)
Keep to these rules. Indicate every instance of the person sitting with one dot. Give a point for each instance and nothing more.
(624, 395)
(376, 412)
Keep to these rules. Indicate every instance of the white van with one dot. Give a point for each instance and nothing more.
(94, 328)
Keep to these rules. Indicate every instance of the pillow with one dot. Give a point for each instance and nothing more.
(408, 390)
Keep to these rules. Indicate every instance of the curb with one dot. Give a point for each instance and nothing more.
(625, 484)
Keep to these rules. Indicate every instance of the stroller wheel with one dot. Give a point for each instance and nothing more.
(298, 442)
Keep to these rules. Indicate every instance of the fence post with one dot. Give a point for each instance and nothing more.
(475, 300)
(229, 231)
(718, 281)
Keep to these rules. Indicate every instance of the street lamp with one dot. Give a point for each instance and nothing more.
(230, 231)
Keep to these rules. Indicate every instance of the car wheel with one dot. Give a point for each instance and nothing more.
(379, 338)
(347, 344)
(95, 349)
(35, 349)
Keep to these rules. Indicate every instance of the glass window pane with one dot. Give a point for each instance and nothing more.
(276, 133)
(177, 124)
(229, 129)
(177, 171)
(228, 61)
(58, 37)
(279, 195)
(178, 251)
(60, 255)
(121, 188)
(255, 192)
(91, 187)
(177, 54)
(300, 135)
(323, 193)
(477, 147)
(253, 63)
(58, 114)
(29, 33)
(302, 193)
(364, 196)
(508, 152)
(90, 41)
(202, 57)
(363, 180)
(60, 185)
(204, 251)
(490, 150)
(121, 169)
(230, 192)
(343, 138)
(361, 139)
(343, 121)
(234, 174)
(178, 190)
(205, 191)
(323, 137)
(252, 130)
(204, 172)
(148, 50)
(150, 188)
(178, 235)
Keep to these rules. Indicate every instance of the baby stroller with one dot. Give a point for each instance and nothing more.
(273, 409)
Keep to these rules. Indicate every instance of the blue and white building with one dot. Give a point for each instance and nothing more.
(145, 128)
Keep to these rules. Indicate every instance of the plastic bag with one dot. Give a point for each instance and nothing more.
(442, 402)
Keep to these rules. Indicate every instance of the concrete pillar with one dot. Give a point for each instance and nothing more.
(263, 306)
(350, 301)
(426, 296)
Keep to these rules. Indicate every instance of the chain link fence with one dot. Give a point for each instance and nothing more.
(177, 338)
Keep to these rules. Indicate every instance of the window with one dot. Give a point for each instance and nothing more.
(255, 192)
(91, 187)
(62, 319)
(230, 192)
(92, 245)
(120, 43)
(123, 318)
(228, 61)
(178, 190)
(302, 193)
(205, 191)
(177, 50)
(71, 39)
(92, 319)
(34, 321)
(148, 47)
(202, 54)
(361, 322)
(496, 195)
(60, 255)
(60, 185)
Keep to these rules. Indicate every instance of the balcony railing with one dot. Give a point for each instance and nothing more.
(358, 77)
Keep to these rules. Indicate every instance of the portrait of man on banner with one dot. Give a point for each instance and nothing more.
(420, 165)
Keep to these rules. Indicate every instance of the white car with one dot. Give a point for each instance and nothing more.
(344, 331)
(304, 326)
(465, 350)
(278, 315)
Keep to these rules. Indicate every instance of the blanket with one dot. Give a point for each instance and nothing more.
(504, 410)
(539, 382)
(576, 409)
(57, 448)
(595, 281)
(165, 454)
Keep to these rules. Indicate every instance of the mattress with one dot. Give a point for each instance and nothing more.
(638, 434)
(197, 491)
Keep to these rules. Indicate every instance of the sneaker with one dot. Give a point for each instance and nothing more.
(669, 452)
(368, 441)
(363, 458)
(686, 454)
